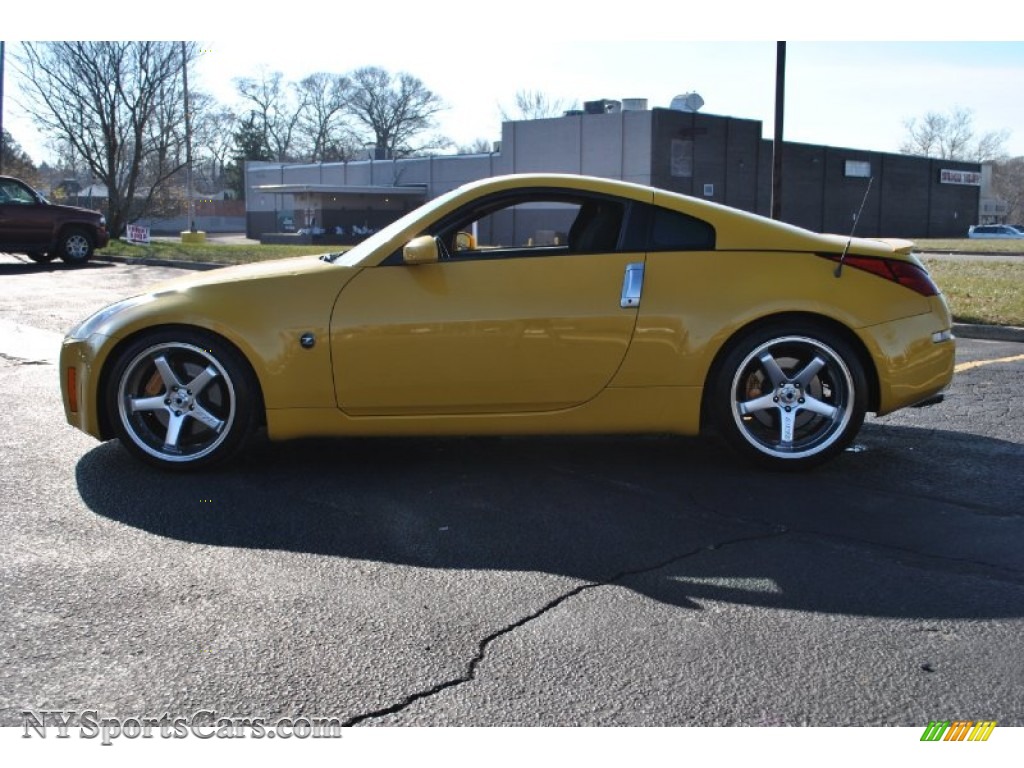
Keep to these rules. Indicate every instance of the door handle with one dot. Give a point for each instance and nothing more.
(632, 285)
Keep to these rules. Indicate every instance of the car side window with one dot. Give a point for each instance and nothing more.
(13, 193)
(672, 230)
(652, 228)
(675, 231)
(542, 223)
(519, 228)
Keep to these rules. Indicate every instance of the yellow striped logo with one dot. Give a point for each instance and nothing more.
(958, 730)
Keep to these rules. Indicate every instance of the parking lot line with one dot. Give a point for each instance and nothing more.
(978, 363)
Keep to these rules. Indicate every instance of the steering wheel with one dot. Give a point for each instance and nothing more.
(443, 254)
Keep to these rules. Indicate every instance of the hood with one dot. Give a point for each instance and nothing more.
(77, 210)
(259, 270)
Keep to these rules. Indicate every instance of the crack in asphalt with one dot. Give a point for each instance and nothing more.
(928, 560)
(705, 510)
(972, 507)
(482, 646)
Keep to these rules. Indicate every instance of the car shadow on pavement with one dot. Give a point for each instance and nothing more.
(910, 523)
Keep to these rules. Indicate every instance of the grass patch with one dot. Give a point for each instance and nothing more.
(213, 253)
(966, 245)
(990, 292)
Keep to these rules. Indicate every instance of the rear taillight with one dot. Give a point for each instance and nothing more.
(903, 272)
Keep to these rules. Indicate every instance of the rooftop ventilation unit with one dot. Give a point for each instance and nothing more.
(602, 107)
(687, 102)
(634, 105)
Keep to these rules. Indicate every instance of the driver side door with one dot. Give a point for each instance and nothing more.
(24, 221)
(525, 314)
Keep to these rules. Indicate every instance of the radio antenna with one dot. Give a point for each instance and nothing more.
(849, 240)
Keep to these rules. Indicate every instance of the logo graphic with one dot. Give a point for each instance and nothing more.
(958, 730)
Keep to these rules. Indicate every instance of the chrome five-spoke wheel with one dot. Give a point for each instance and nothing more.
(790, 400)
(182, 402)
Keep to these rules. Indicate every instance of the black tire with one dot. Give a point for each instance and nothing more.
(789, 396)
(39, 257)
(75, 246)
(181, 399)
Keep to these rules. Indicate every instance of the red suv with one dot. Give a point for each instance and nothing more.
(31, 224)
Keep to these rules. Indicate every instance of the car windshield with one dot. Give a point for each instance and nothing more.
(359, 252)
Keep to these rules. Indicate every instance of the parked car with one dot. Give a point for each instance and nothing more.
(1004, 231)
(31, 224)
(639, 310)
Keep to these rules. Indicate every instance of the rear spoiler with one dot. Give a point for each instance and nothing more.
(898, 245)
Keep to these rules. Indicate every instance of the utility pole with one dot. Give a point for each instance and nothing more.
(780, 102)
(2, 147)
(188, 142)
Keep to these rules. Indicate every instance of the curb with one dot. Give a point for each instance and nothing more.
(146, 262)
(988, 332)
(947, 252)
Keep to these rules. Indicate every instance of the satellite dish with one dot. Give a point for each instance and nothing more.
(687, 102)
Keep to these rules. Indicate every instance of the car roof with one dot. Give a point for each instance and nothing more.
(736, 229)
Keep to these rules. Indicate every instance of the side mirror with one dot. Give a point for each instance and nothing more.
(420, 250)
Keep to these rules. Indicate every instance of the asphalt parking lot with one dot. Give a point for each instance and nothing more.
(526, 581)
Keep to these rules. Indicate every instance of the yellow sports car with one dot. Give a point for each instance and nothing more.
(525, 304)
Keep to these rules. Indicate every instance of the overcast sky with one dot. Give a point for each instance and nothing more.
(476, 56)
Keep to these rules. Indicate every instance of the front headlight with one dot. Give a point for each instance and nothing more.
(97, 321)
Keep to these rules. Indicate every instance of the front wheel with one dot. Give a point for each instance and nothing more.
(182, 399)
(790, 398)
(75, 247)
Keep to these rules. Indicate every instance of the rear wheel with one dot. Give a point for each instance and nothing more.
(790, 397)
(182, 399)
(75, 246)
(41, 257)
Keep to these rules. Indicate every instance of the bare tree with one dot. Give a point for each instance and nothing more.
(116, 104)
(477, 147)
(1008, 185)
(16, 161)
(213, 139)
(321, 125)
(534, 105)
(392, 111)
(274, 112)
(950, 136)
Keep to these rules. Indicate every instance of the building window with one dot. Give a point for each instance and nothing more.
(858, 169)
(709, 190)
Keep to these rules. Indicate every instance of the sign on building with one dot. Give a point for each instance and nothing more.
(967, 178)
